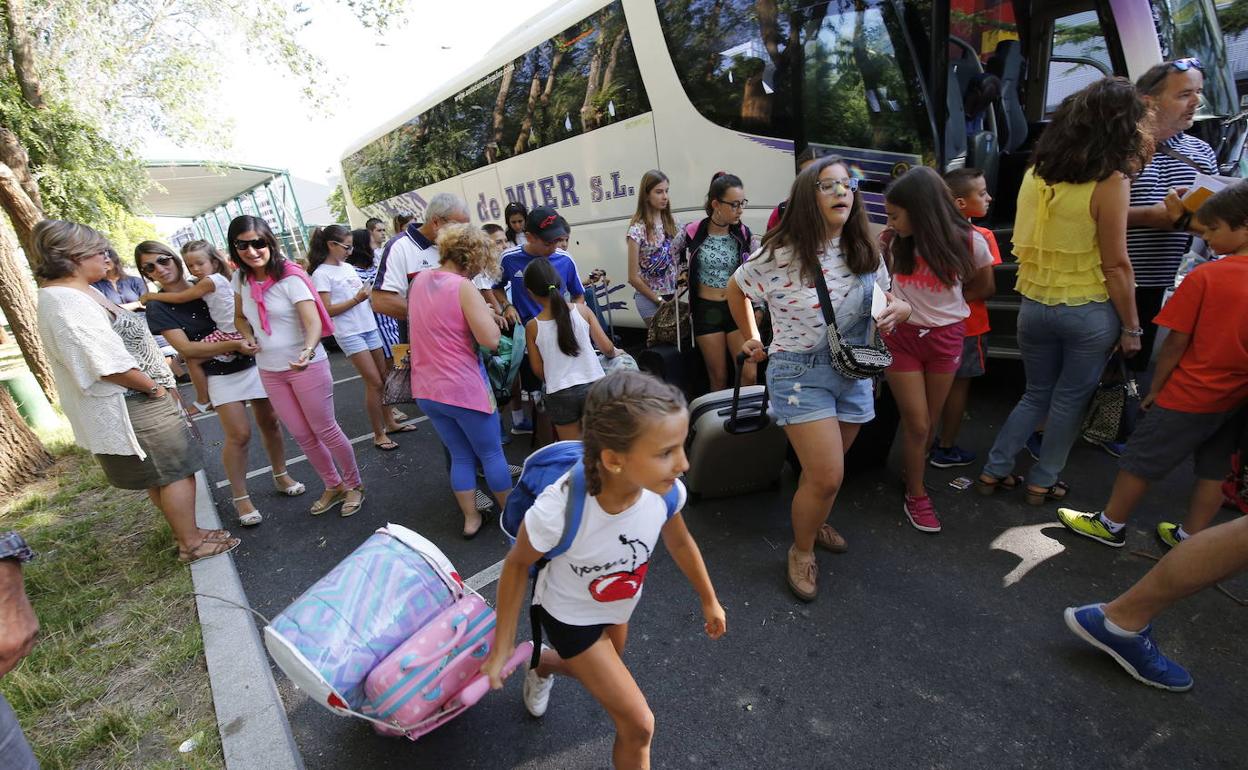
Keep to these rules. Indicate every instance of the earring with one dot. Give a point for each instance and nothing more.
(616, 469)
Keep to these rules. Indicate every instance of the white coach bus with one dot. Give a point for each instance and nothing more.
(573, 107)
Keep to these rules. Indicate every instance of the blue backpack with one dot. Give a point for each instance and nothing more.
(543, 468)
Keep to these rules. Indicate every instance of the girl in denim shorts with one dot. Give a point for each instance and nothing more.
(824, 228)
(939, 263)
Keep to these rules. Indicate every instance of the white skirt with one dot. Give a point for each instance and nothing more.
(239, 386)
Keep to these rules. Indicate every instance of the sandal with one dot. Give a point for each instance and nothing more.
(1056, 493)
(246, 519)
(404, 428)
(201, 408)
(828, 538)
(470, 535)
(988, 488)
(295, 489)
(207, 549)
(398, 415)
(328, 500)
(219, 535)
(386, 446)
(350, 506)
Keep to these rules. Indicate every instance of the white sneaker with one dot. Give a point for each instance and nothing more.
(537, 691)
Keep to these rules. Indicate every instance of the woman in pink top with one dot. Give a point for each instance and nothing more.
(447, 319)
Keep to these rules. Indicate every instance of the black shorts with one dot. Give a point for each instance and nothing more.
(711, 317)
(1164, 438)
(567, 640)
(565, 407)
(529, 381)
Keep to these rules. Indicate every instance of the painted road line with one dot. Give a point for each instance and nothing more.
(213, 413)
(269, 468)
(485, 576)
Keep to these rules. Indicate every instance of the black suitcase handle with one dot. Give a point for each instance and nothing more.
(746, 421)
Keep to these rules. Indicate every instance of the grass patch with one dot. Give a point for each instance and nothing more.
(118, 679)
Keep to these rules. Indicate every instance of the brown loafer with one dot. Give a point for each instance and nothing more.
(828, 538)
(801, 574)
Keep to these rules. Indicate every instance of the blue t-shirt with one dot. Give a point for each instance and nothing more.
(129, 289)
(516, 259)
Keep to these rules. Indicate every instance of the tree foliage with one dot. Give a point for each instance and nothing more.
(1233, 18)
(337, 202)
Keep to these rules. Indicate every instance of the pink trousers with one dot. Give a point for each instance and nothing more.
(304, 402)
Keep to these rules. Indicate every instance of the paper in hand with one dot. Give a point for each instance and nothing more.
(878, 301)
(1203, 188)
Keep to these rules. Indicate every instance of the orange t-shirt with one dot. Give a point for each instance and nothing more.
(1211, 304)
(977, 321)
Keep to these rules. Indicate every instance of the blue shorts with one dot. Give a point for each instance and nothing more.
(804, 388)
(358, 343)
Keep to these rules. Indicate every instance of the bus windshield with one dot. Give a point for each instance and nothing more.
(1188, 28)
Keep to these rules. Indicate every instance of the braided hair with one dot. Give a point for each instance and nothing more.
(618, 408)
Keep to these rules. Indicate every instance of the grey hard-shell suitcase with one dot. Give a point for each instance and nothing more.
(734, 445)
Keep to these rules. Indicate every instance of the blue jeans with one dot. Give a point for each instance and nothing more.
(471, 437)
(13, 746)
(1064, 352)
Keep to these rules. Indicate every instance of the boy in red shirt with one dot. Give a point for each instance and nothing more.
(970, 193)
(1201, 383)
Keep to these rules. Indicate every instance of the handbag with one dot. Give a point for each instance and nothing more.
(665, 326)
(1111, 415)
(397, 388)
(857, 362)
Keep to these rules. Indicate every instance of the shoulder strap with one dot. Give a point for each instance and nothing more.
(825, 300)
(573, 510)
(1173, 153)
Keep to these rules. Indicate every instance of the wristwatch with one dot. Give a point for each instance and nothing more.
(152, 391)
(13, 546)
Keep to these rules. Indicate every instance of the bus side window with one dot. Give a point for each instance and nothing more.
(1078, 57)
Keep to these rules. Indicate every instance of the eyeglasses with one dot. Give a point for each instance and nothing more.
(837, 186)
(256, 243)
(150, 267)
(735, 205)
(347, 246)
(1178, 65)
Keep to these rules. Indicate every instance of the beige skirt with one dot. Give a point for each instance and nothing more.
(172, 452)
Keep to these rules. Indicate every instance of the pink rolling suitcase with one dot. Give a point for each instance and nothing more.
(434, 675)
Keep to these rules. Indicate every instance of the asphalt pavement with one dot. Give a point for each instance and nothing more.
(921, 650)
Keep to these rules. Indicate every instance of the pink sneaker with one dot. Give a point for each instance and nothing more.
(921, 513)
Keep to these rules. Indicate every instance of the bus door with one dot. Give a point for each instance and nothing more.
(484, 195)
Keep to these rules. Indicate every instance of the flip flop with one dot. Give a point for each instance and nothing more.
(388, 446)
(207, 549)
(404, 429)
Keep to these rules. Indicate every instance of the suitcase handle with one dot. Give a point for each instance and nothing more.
(461, 624)
(476, 689)
(740, 423)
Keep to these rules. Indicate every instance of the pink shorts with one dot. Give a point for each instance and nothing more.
(926, 349)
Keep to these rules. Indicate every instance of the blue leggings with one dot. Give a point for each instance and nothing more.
(470, 436)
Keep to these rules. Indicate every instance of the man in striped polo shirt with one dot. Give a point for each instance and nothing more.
(1155, 242)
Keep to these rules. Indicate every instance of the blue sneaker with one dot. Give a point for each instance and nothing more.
(1112, 448)
(950, 457)
(522, 427)
(1033, 444)
(1138, 654)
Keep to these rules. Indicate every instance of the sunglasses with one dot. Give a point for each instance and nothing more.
(257, 244)
(347, 246)
(150, 267)
(1178, 65)
(832, 185)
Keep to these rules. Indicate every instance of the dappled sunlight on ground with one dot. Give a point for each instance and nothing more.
(1030, 544)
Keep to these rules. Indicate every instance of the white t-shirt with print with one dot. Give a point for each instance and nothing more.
(932, 303)
(220, 302)
(285, 338)
(404, 258)
(796, 319)
(599, 578)
(342, 283)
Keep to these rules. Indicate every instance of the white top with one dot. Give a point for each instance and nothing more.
(796, 318)
(285, 340)
(342, 283)
(599, 579)
(561, 370)
(405, 257)
(220, 303)
(932, 303)
(82, 347)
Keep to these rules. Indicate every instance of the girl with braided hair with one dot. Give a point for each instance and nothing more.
(634, 438)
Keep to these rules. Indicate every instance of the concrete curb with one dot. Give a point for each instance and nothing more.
(254, 730)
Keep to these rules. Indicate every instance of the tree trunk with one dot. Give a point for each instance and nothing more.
(22, 457)
(14, 155)
(17, 24)
(22, 211)
(19, 306)
(500, 106)
(608, 74)
(589, 115)
(526, 125)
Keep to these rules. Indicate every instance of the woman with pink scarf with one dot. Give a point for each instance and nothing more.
(282, 319)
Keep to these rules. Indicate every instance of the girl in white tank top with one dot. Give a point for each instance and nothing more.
(560, 342)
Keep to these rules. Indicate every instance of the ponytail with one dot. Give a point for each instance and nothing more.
(541, 279)
(318, 245)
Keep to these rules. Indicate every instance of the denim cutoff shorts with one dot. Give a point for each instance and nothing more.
(804, 387)
(358, 343)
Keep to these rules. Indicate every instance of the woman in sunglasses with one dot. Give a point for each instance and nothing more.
(713, 248)
(230, 379)
(115, 387)
(345, 296)
(278, 311)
